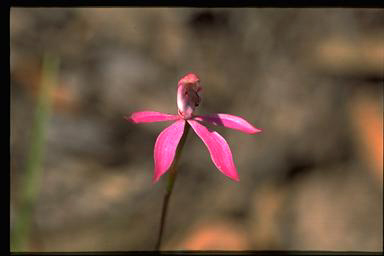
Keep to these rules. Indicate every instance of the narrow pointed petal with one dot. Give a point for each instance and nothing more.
(218, 148)
(150, 116)
(229, 121)
(165, 148)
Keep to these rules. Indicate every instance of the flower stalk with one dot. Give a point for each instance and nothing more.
(170, 184)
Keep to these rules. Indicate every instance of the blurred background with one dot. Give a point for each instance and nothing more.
(81, 175)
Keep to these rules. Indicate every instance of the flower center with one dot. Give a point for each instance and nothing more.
(188, 98)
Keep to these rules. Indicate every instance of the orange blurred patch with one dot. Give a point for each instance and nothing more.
(216, 236)
(368, 119)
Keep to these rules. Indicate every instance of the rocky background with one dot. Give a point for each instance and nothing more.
(312, 79)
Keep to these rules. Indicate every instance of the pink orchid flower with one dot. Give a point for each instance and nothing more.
(188, 99)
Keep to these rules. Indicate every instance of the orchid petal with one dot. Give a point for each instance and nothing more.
(150, 116)
(218, 148)
(229, 121)
(165, 148)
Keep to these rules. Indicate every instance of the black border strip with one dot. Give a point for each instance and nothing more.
(194, 3)
(274, 252)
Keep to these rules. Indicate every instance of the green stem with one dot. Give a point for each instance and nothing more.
(31, 182)
(171, 181)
